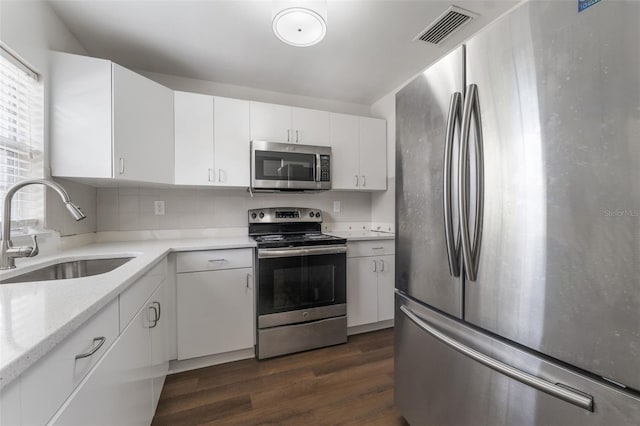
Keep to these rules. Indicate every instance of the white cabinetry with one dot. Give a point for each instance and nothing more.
(211, 140)
(124, 387)
(108, 122)
(215, 302)
(370, 282)
(281, 123)
(359, 148)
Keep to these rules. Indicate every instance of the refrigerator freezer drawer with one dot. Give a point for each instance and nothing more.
(450, 374)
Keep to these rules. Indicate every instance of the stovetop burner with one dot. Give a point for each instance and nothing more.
(293, 240)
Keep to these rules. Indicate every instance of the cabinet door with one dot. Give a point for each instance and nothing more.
(215, 312)
(362, 291)
(310, 127)
(345, 163)
(118, 391)
(373, 153)
(270, 122)
(386, 287)
(158, 308)
(193, 139)
(81, 106)
(232, 132)
(142, 128)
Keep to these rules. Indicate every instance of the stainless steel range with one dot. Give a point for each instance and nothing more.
(301, 281)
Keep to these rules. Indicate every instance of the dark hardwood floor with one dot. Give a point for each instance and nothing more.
(350, 384)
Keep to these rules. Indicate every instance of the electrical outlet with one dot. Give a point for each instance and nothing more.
(158, 208)
(336, 206)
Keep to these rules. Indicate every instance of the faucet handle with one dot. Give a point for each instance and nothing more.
(35, 250)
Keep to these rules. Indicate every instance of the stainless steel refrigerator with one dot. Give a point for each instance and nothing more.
(518, 224)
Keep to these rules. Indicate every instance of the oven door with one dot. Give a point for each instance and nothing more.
(287, 166)
(301, 284)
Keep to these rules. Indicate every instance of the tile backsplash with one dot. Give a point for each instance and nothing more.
(132, 208)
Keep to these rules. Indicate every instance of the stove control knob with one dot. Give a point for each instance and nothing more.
(253, 215)
(317, 214)
(310, 214)
(261, 215)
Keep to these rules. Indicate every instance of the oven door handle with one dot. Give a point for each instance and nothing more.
(300, 251)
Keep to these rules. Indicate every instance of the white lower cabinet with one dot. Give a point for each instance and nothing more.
(370, 288)
(125, 385)
(215, 312)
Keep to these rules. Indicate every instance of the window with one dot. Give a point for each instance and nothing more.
(21, 138)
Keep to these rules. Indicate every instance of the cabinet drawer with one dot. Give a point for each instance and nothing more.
(132, 299)
(371, 248)
(212, 260)
(47, 384)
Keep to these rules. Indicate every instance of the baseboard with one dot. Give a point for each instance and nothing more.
(178, 366)
(365, 328)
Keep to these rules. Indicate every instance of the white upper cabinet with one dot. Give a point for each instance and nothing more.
(193, 139)
(373, 153)
(232, 134)
(108, 122)
(281, 123)
(270, 122)
(310, 127)
(345, 152)
(211, 140)
(359, 152)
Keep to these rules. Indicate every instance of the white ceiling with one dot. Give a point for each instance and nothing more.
(368, 51)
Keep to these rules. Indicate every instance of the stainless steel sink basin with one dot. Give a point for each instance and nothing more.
(66, 270)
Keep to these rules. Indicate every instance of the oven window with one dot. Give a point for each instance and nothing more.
(285, 166)
(301, 282)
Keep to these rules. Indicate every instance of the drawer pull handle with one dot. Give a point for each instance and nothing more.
(216, 260)
(95, 348)
(159, 310)
(377, 248)
(382, 264)
(156, 316)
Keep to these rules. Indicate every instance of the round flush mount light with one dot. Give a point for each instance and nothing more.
(300, 27)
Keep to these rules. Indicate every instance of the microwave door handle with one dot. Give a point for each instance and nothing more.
(318, 171)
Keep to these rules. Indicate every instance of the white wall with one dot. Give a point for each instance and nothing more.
(31, 29)
(127, 209)
(248, 93)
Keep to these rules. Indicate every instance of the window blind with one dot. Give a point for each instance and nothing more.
(21, 138)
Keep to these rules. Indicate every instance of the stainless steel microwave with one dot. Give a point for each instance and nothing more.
(290, 167)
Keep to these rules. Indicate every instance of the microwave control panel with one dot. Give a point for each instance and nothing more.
(325, 168)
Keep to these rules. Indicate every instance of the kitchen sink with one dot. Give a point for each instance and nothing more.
(72, 269)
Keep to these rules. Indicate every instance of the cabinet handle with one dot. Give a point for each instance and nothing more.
(100, 339)
(248, 281)
(159, 310)
(288, 135)
(121, 165)
(211, 177)
(222, 176)
(297, 137)
(377, 248)
(382, 266)
(156, 316)
(375, 266)
(216, 260)
(364, 180)
(356, 180)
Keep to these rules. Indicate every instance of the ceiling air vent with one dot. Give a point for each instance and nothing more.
(449, 22)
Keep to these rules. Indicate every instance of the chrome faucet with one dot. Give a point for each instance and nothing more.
(8, 253)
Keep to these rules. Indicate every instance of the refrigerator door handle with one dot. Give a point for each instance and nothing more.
(453, 249)
(471, 253)
(557, 390)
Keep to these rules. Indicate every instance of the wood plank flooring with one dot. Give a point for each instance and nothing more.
(350, 384)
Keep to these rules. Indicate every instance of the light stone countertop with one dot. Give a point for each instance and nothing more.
(363, 235)
(36, 316)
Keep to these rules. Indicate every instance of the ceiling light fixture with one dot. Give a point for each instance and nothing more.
(299, 26)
